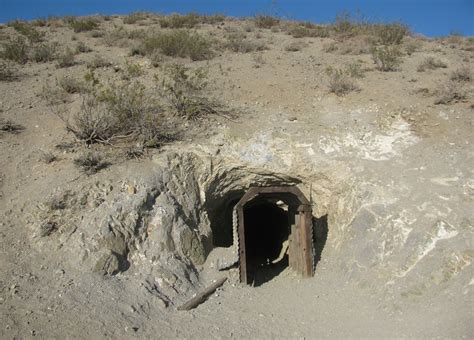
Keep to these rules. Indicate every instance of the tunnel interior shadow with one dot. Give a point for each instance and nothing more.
(266, 231)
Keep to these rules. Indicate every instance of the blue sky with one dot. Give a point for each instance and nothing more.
(429, 17)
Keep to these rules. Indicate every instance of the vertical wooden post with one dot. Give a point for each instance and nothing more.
(306, 246)
(242, 249)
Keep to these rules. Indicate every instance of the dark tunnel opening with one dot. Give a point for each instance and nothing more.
(266, 230)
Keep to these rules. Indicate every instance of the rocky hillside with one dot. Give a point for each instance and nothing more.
(127, 141)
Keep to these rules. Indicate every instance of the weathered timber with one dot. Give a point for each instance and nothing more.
(198, 299)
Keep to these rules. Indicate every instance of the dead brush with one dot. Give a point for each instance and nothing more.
(431, 63)
(238, 42)
(462, 74)
(91, 163)
(8, 72)
(450, 92)
(47, 157)
(10, 126)
(93, 123)
(71, 85)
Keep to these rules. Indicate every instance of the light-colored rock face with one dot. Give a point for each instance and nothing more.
(384, 231)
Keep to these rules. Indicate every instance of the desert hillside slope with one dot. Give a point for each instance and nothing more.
(126, 141)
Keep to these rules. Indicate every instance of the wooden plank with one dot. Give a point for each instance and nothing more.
(242, 249)
(198, 299)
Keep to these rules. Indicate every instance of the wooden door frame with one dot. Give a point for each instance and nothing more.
(291, 196)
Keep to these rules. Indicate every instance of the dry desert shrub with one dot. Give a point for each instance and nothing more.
(295, 46)
(82, 25)
(266, 21)
(66, 59)
(15, 50)
(301, 30)
(8, 71)
(10, 126)
(27, 30)
(431, 63)
(462, 74)
(44, 52)
(386, 58)
(390, 34)
(450, 92)
(238, 42)
(178, 43)
(81, 47)
(184, 91)
(340, 81)
(132, 70)
(134, 18)
(71, 85)
(117, 36)
(47, 157)
(98, 62)
(91, 162)
(180, 21)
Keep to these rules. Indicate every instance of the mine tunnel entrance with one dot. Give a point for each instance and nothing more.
(266, 239)
(274, 231)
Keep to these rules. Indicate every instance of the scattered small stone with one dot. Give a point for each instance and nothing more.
(33, 332)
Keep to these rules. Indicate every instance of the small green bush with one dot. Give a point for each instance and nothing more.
(431, 63)
(15, 50)
(266, 21)
(83, 25)
(178, 44)
(386, 58)
(44, 52)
